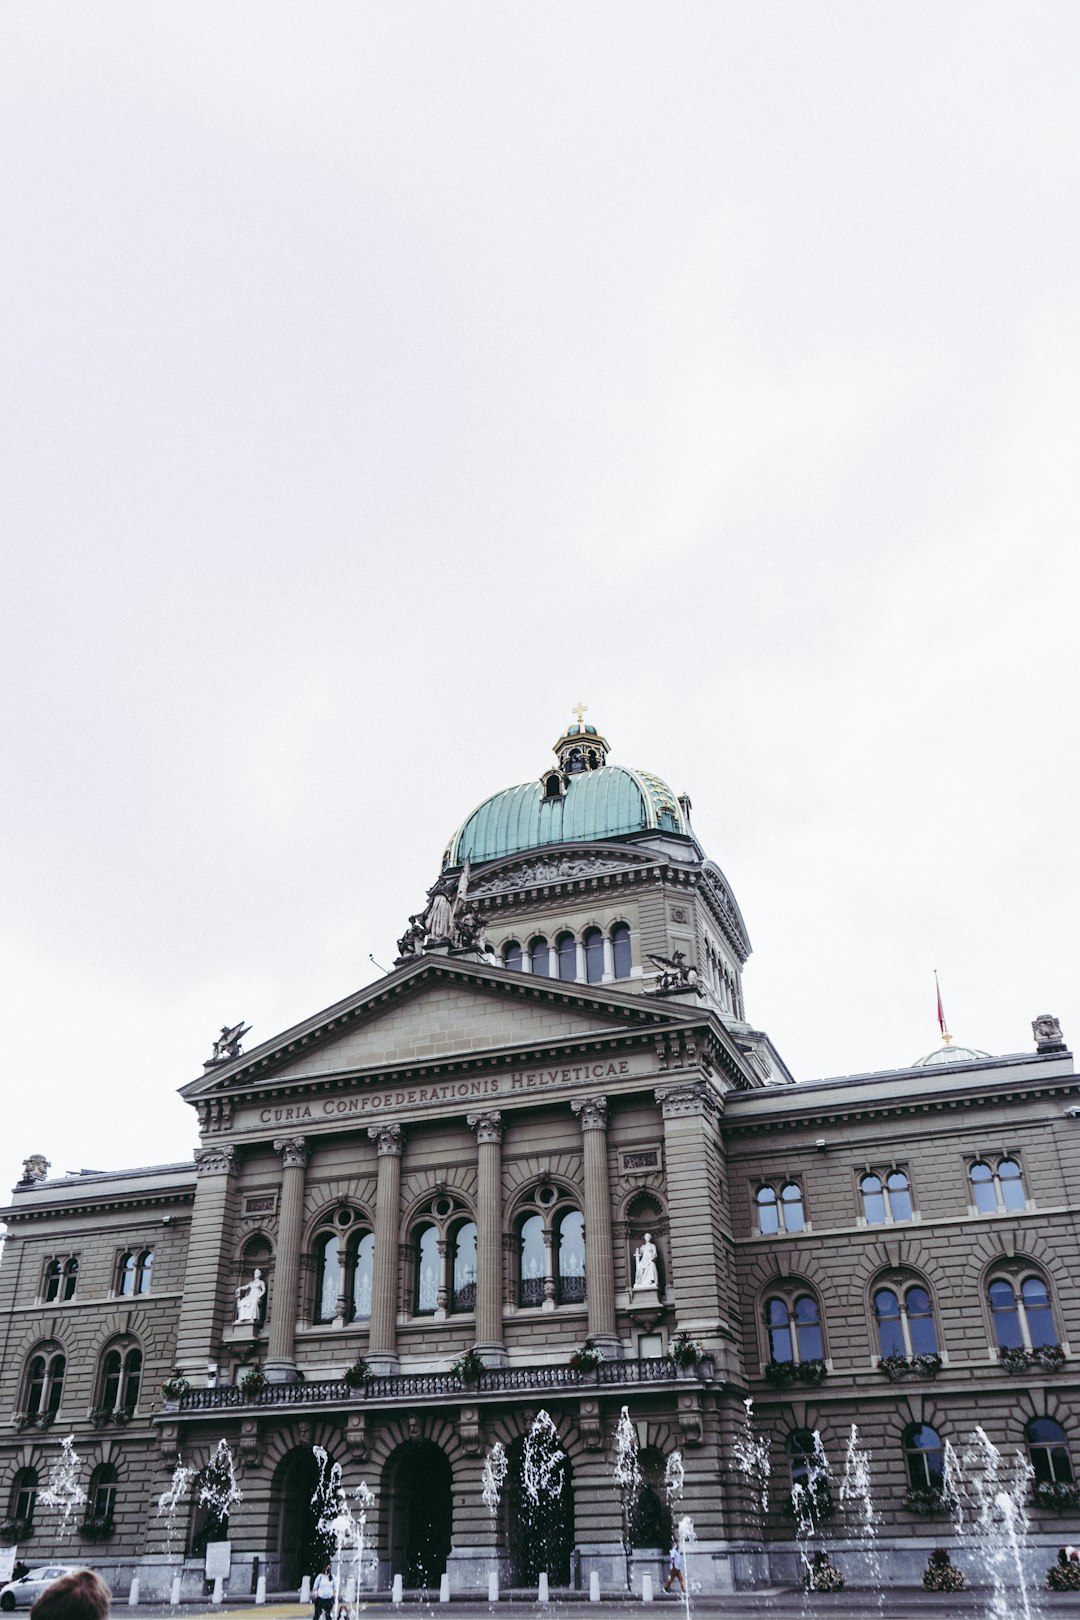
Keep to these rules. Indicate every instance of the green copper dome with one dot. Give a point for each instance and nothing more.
(606, 802)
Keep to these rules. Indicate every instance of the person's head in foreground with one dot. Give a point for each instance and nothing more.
(82, 1595)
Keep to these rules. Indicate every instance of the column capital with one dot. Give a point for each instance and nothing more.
(389, 1140)
(591, 1111)
(488, 1127)
(215, 1161)
(695, 1097)
(293, 1150)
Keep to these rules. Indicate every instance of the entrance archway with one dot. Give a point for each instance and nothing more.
(418, 1493)
(541, 1535)
(294, 1519)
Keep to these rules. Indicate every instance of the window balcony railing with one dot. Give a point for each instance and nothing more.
(414, 1387)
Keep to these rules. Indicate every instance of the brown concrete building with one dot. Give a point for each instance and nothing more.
(566, 1131)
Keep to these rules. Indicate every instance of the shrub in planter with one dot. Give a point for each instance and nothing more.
(1060, 1496)
(358, 1374)
(685, 1351)
(895, 1367)
(822, 1576)
(942, 1576)
(251, 1382)
(587, 1359)
(927, 1502)
(1050, 1357)
(12, 1530)
(175, 1387)
(101, 1416)
(812, 1373)
(781, 1373)
(468, 1367)
(928, 1365)
(97, 1529)
(1015, 1361)
(1064, 1576)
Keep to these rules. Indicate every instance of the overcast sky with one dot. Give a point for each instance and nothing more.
(383, 379)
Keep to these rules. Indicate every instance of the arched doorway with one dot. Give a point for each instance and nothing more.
(540, 1534)
(294, 1518)
(417, 1491)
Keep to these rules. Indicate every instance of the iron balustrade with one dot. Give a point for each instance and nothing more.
(414, 1386)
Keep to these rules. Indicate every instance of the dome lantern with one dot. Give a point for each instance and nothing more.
(581, 747)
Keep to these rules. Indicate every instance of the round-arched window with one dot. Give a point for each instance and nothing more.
(566, 945)
(593, 941)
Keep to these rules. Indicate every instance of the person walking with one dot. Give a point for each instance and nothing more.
(324, 1592)
(675, 1568)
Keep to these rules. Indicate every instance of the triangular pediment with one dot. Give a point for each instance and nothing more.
(436, 1010)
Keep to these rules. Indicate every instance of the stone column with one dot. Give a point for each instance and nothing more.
(599, 1258)
(489, 1331)
(280, 1364)
(382, 1332)
(701, 1248)
(209, 1303)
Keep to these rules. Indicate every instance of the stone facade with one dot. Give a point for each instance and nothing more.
(468, 1154)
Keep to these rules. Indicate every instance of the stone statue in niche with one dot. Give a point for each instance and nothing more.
(646, 1275)
(249, 1299)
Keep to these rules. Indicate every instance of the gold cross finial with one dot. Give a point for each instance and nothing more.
(580, 709)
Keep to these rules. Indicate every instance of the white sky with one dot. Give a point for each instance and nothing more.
(382, 379)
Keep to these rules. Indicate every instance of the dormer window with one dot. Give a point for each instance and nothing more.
(553, 786)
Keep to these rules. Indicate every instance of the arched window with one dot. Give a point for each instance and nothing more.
(997, 1187)
(511, 955)
(593, 941)
(540, 956)
(905, 1322)
(463, 1267)
(131, 1381)
(566, 946)
(783, 1214)
(23, 1499)
(1049, 1452)
(925, 1457)
(621, 957)
(101, 1497)
(145, 1271)
(793, 1328)
(45, 1383)
(54, 1276)
(363, 1273)
(768, 1211)
(532, 1260)
(71, 1274)
(111, 1369)
(327, 1275)
(1024, 1320)
(800, 1450)
(571, 1261)
(791, 1204)
(886, 1199)
(427, 1271)
(126, 1274)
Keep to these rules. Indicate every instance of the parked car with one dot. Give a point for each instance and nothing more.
(20, 1594)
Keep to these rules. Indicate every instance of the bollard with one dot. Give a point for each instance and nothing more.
(493, 1586)
(542, 1589)
(444, 1587)
(133, 1594)
(305, 1589)
(219, 1589)
(395, 1594)
(260, 1589)
(174, 1592)
(594, 1586)
(646, 1588)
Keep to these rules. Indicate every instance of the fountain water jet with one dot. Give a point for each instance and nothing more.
(627, 1481)
(542, 1477)
(493, 1477)
(751, 1454)
(62, 1489)
(856, 1495)
(341, 1524)
(989, 1503)
(811, 1500)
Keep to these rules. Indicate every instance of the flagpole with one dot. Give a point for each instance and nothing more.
(946, 1037)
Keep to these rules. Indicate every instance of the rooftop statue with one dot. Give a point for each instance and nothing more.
(227, 1044)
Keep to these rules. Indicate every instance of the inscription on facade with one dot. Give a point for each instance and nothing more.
(495, 1085)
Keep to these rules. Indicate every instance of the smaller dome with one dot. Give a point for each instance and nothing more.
(947, 1053)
